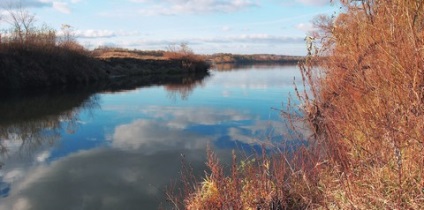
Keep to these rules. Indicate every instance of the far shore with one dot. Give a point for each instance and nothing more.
(23, 67)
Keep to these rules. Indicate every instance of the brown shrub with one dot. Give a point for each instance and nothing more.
(189, 60)
(262, 182)
(366, 104)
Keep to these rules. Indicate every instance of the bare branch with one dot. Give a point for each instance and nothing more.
(21, 20)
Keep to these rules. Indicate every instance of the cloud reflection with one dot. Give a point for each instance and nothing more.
(100, 179)
(150, 137)
(194, 128)
(183, 117)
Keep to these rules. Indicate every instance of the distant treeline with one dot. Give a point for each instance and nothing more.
(254, 58)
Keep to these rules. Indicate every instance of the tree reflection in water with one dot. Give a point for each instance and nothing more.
(31, 120)
(183, 89)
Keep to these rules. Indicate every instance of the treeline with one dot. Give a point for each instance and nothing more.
(222, 58)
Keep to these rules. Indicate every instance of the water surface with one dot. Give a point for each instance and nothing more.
(114, 148)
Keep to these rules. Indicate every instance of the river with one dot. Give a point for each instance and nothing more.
(118, 148)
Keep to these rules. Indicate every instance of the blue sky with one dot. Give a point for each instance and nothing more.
(208, 26)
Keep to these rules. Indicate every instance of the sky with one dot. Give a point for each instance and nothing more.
(207, 26)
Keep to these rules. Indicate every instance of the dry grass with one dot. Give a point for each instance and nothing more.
(258, 182)
(108, 52)
(182, 57)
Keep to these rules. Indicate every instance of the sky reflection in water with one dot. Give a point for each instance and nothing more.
(119, 150)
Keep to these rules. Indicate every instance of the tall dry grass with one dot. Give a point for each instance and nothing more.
(366, 104)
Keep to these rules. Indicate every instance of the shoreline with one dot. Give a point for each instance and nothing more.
(28, 67)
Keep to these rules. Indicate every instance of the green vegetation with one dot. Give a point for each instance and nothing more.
(364, 105)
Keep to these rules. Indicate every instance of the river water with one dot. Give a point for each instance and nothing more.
(119, 146)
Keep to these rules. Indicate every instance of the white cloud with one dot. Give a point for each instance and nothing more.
(226, 28)
(61, 7)
(314, 2)
(305, 27)
(94, 33)
(23, 3)
(262, 38)
(242, 43)
(250, 39)
(175, 7)
(91, 33)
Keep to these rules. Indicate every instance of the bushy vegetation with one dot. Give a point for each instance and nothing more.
(185, 55)
(367, 104)
(363, 101)
(32, 56)
(280, 181)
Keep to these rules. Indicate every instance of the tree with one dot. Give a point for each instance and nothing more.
(68, 40)
(67, 34)
(21, 20)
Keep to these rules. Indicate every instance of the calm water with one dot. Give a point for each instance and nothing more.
(108, 148)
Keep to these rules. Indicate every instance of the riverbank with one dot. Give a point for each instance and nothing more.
(35, 66)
